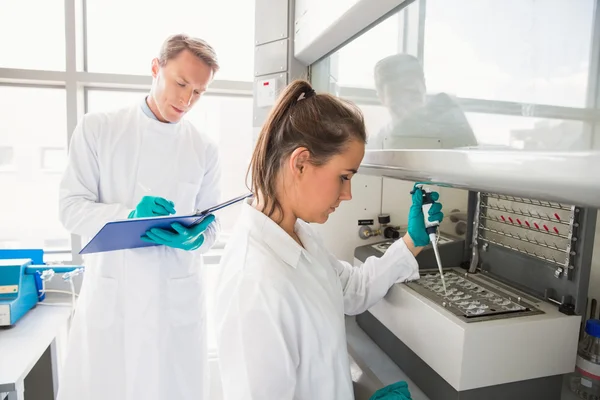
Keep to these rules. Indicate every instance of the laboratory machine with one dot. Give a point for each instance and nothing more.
(509, 321)
(23, 274)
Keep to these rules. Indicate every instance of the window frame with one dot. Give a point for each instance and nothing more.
(76, 81)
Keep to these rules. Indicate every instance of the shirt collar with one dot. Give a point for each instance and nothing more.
(272, 235)
(146, 109)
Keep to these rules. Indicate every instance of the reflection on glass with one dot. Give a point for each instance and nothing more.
(454, 74)
(528, 133)
(416, 122)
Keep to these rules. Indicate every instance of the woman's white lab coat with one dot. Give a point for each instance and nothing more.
(139, 328)
(280, 310)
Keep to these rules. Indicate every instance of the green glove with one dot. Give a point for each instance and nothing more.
(416, 221)
(183, 238)
(395, 391)
(151, 206)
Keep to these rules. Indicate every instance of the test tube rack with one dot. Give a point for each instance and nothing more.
(547, 231)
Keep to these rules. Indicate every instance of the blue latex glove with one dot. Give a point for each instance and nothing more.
(416, 222)
(151, 206)
(395, 391)
(183, 238)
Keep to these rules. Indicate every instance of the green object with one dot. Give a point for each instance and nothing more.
(395, 391)
(416, 219)
(151, 206)
(182, 238)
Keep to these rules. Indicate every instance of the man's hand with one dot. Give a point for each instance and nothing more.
(183, 238)
(151, 206)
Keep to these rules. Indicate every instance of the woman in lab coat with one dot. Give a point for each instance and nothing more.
(282, 295)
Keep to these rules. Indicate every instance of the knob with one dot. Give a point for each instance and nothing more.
(391, 233)
(384, 219)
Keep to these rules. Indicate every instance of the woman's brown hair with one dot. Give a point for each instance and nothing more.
(320, 122)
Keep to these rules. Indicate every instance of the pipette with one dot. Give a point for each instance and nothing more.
(431, 227)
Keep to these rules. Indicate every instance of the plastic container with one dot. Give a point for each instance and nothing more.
(585, 381)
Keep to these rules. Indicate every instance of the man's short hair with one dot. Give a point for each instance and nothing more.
(397, 66)
(175, 44)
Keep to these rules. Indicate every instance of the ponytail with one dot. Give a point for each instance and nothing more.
(300, 118)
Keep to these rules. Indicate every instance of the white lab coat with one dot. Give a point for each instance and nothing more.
(280, 310)
(139, 328)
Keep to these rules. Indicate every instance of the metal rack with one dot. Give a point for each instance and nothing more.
(544, 230)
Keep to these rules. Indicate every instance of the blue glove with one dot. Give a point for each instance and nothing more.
(183, 238)
(151, 206)
(416, 222)
(395, 391)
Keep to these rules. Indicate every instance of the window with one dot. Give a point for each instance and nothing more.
(53, 159)
(30, 205)
(526, 133)
(7, 158)
(33, 35)
(381, 41)
(101, 100)
(226, 119)
(542, 56)
(448, 74)
(138, 28)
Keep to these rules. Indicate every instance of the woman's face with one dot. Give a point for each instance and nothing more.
(319, 190)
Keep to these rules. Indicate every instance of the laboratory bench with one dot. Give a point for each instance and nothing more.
(36, 345)
(372, 369)
(31, 350)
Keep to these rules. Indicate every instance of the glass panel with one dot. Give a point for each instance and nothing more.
(474, 62)
(29, 205)
(541, 56)
(33, 35)
(138, 28)
(98, 100)
(527, 133)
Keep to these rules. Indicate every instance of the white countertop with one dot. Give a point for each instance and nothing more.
(22, 345)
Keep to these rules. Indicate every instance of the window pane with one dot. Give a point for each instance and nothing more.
(356, 58)
(527, 133)
(53, 160)
(7, 158)
(138, 28)
(29, 206)
(98, 100)
(470, 52)
(33, 36)
(226, 119)
(516, 50)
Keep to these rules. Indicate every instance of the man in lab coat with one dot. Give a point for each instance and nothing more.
(139, 330)
(415, 121)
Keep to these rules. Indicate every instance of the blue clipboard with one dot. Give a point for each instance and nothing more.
(126, 234)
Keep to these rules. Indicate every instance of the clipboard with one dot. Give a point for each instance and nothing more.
(126, 234)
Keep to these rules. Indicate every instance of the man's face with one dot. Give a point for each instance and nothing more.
(403, 96)
(178, 85)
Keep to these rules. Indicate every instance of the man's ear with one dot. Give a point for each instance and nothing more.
(155, 67)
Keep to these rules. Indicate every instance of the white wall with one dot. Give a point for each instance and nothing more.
(372, 196)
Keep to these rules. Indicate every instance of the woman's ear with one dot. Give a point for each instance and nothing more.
(298, 161)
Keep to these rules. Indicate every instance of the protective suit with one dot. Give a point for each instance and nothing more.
(280, 310)
(440, 124)
(139, 329)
